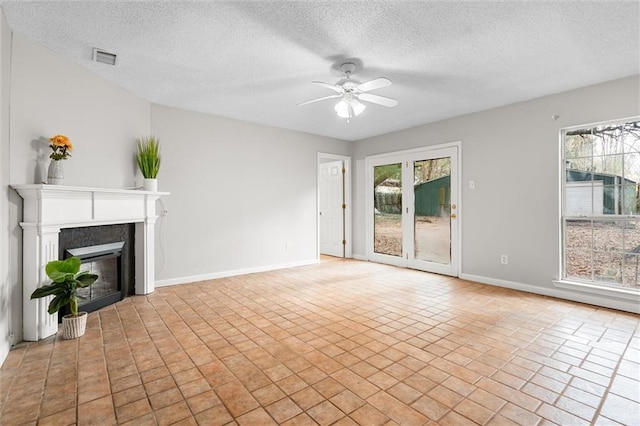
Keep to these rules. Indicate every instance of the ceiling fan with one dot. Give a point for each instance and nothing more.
(352, 92)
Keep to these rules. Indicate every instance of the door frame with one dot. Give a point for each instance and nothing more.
(399, 156)
(348, 249)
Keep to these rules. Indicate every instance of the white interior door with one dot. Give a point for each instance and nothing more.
(414, 209)
(331, 208)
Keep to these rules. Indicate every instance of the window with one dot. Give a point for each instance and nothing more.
(601, 205)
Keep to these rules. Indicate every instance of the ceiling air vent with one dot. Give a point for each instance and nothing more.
(100, 55)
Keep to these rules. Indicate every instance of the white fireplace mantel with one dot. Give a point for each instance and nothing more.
(49, 208)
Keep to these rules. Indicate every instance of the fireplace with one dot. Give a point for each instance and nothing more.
(50, 211)
(107, 251)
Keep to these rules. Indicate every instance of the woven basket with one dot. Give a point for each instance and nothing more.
(73, 327)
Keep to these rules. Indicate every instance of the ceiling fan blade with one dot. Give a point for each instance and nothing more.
(329, 86)
(377, 99)
(319, 99)
(377, 83)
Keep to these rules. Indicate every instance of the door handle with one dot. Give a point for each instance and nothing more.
(453, 215)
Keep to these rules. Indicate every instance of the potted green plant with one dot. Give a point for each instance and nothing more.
(148, 159)
(66, 281)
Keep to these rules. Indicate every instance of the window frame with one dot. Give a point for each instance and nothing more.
(572, 283)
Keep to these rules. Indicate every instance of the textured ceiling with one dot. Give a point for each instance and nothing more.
(255, 61)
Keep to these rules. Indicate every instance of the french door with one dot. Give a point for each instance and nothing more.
(413, 211)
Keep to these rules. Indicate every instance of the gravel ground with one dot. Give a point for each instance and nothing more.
(432, 238)
(605, 251)
(388, 234)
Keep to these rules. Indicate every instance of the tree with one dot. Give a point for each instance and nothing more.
(388, 171)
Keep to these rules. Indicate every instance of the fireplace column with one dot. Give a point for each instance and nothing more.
(145, 257)
(42, 244)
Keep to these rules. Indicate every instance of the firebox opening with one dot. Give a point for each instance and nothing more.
(105, 260)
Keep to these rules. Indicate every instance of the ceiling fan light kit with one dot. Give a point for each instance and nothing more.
(351, 92)
(349, 107)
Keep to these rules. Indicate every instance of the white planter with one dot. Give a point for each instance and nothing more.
(150, 185)
(73, 327)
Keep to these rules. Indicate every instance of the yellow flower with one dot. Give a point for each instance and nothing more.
(61, 147)
(61, 140)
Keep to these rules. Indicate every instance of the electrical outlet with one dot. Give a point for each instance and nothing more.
(287, 246)
(504, 259)
(472, 184)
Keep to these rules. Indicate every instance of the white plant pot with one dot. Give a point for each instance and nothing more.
(150, 185)
(55, 174)
(73, 327)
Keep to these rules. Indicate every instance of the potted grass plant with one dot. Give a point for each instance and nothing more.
(148, 159)
(66, 280)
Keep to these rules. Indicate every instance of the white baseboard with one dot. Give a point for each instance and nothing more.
(232, 273)
(360, 257)
(620, 303)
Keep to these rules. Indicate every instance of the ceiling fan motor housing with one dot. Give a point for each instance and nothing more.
(348, 84)
(348, 67)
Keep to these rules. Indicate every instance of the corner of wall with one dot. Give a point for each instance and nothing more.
(6, 335)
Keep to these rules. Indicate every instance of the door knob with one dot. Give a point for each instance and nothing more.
(453, 215)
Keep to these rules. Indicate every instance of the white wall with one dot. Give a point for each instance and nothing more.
(5, 282)
(512, 153)
(50, 95)
(241, 194)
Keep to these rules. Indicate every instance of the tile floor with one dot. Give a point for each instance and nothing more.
(341, 342)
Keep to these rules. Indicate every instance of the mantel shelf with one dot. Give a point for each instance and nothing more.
(64, 188)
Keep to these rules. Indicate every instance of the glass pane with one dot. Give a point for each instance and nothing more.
(607, 167)
(608, 142)
(105, 285)
(630, 200)
(631, 230)
(630, 269)
(607, 235)
(578, 145)
(611, 200)
(583, 198)
(578, 235)
(632, 168)
(432, 218)
(578, 249)
(387, 193)
(578, 171)
(578, 264)
(607, 267)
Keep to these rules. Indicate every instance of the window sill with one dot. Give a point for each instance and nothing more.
(620, 293)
